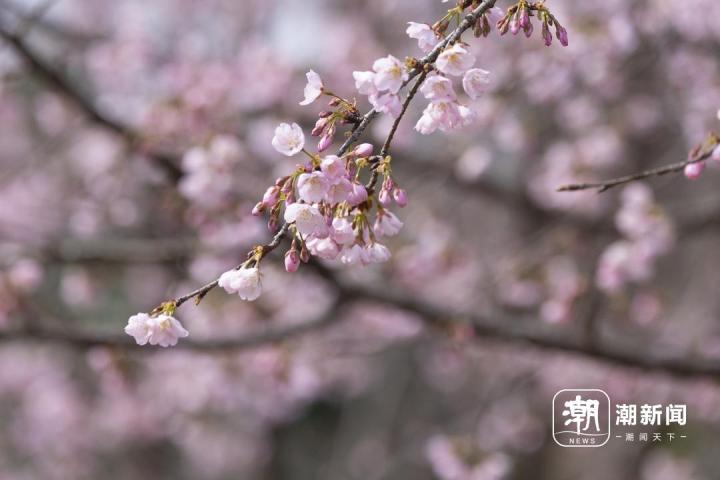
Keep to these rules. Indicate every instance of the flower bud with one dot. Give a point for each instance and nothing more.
(400, 197)
(528, 30)
(358, 194)
(319, 127)
(324, 143)
(524, 18)
(385, 198)
(363, 150)
(292, 261)
(258, 209)
(514, 24)
(325, 113)
(693, 170)
(562, 35)
(271, 196)
(547, 36)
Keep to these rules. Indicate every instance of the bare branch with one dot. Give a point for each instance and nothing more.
(700, 154)
(64, 86)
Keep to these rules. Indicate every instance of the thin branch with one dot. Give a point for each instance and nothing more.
(84, 340)
(411, 94)
(485, 329)
(64, 86)
(608, 184)
(502, 330)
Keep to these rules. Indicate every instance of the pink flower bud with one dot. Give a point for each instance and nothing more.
(358, 194)
(514, 24)
(693, 170)
(258, 209)
(325, 113)
(547, 36)
(363, 150)
(400, 197)
(528, 30)
(324, 143)
(319, 127)
(562, 35)
(271, 196)
(385, 198)
(292, 261)
(716, 154)
(524, 19)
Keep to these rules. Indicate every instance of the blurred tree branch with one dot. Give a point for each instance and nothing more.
(500, 330)
(56, 80)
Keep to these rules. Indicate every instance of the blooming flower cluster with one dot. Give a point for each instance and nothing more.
(330, 205)
(648, 234)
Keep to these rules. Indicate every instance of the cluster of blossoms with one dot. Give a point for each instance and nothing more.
(648, 234)
(518, 18)
(326, 209)
(444, 111)
(156, 329)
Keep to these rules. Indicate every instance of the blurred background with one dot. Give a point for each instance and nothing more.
(440, 364)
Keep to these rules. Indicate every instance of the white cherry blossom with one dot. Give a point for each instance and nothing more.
(455, 60)
(313, 89)
(289, 139)
(245, 282)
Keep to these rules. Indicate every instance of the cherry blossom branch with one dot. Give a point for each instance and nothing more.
(272, 335)
(484, 329)
(698, 155)
(64, 86)
(411, 94)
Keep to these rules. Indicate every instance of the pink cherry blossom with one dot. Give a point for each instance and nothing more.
(351, 255)
(365, 82)
(163, 330)
(333, 167)
(342, 231)
(475, 82)
(325, 248)
(358, 194)
(390, 73)
(313, 89)
(312, 187)
(245, 282)
(387, 103)
(438, 88)
(455, 60)
(387, 224)
(339, 191)
(425, 35)
(307, 219)
(289, 139)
